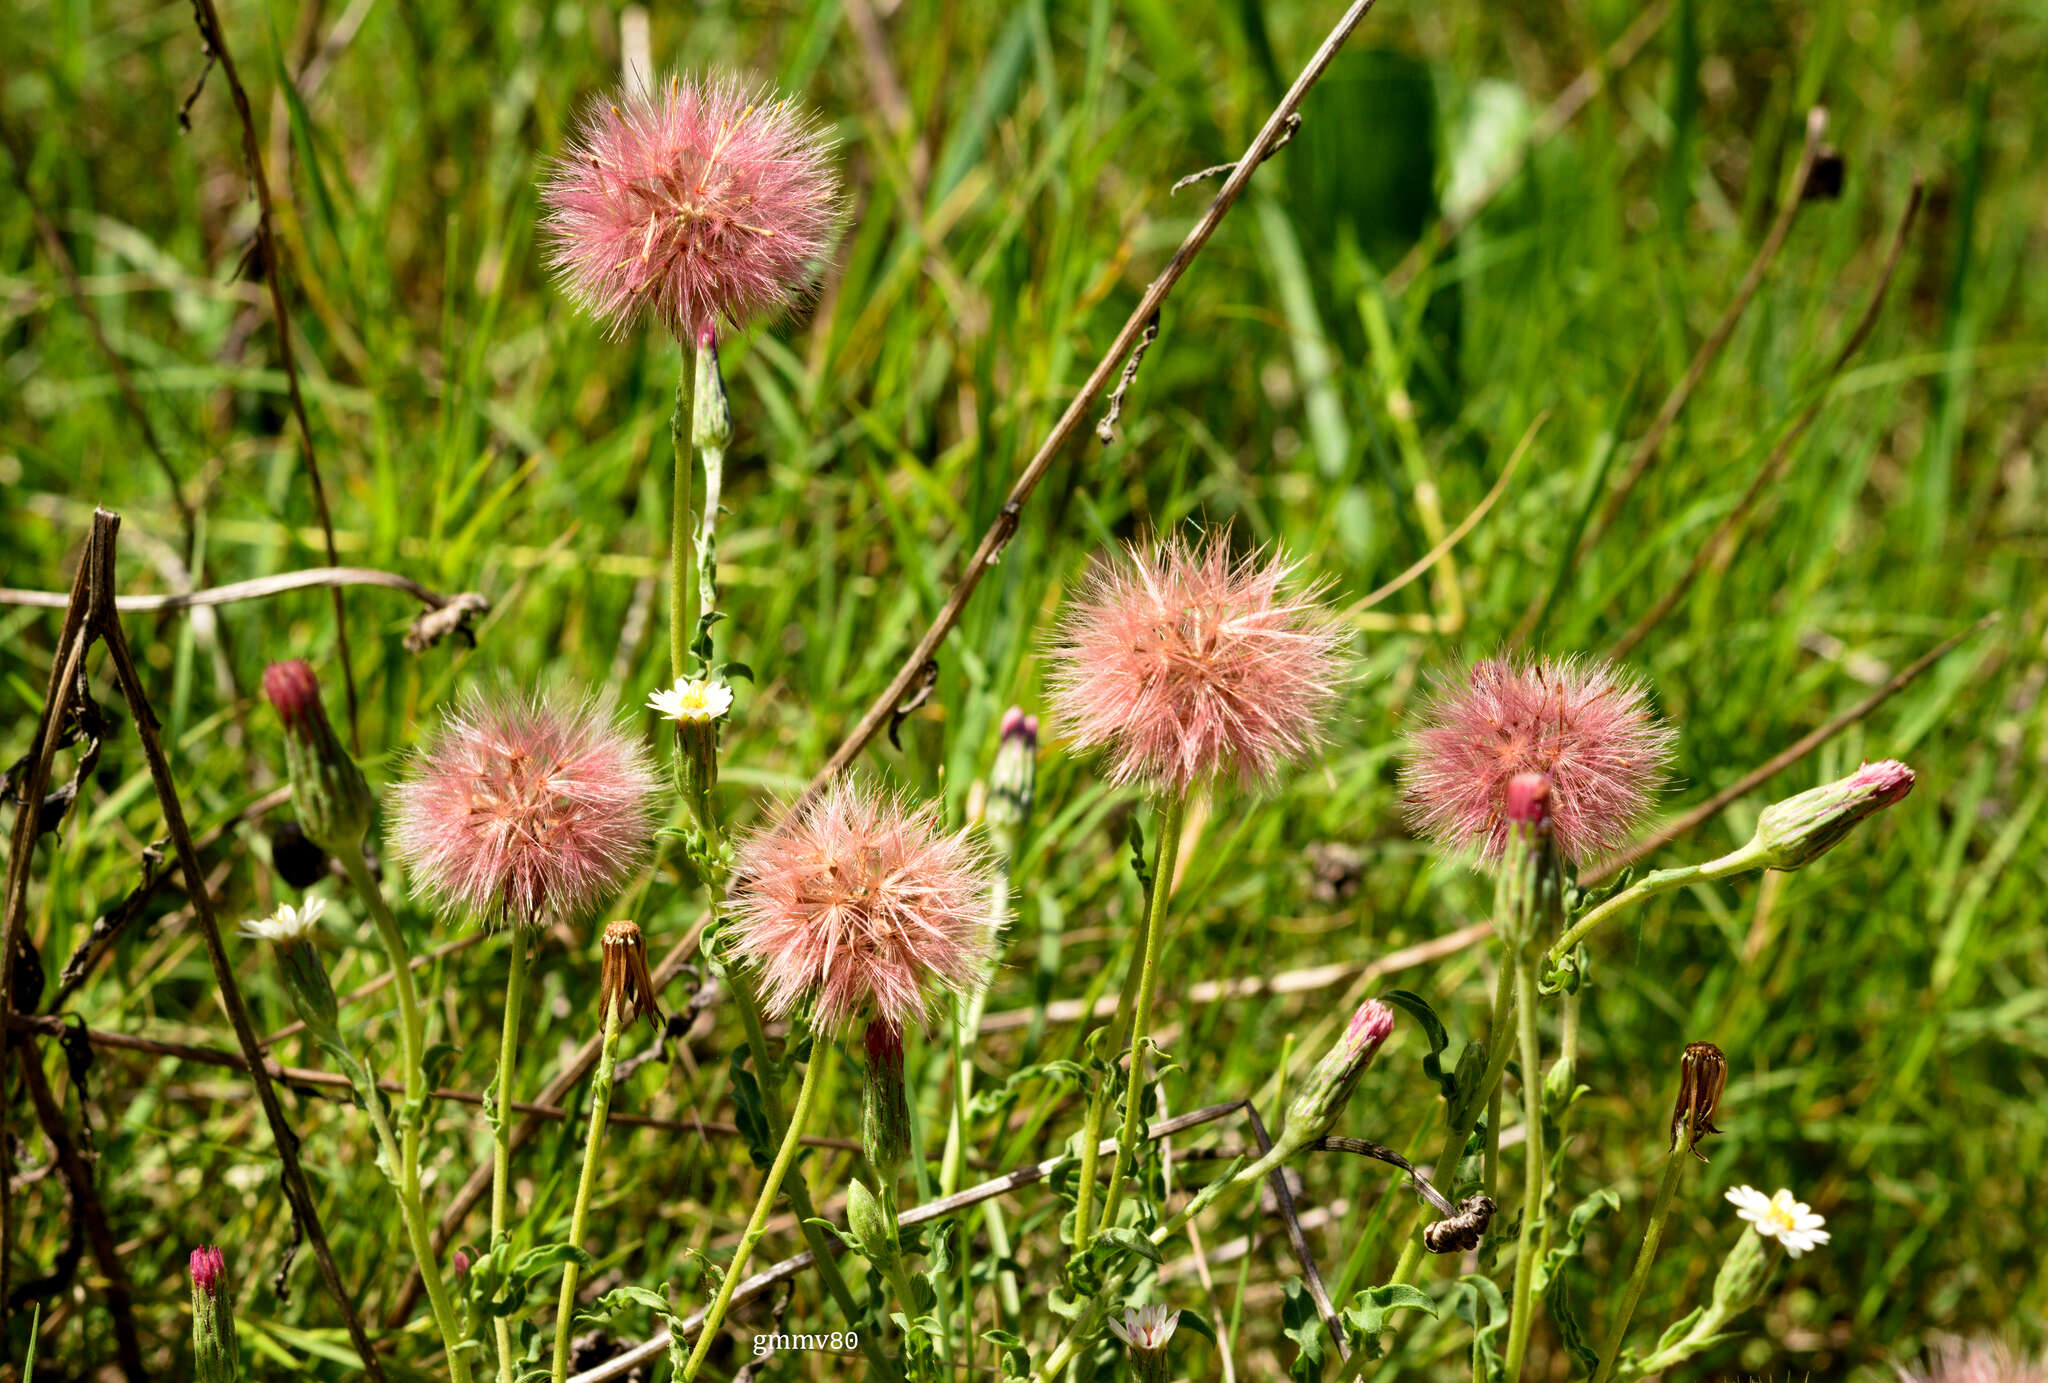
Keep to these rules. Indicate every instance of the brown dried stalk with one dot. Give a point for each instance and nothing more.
(216, 44)
(999, 533)
(1781, 455)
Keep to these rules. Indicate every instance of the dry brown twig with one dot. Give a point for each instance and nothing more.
(215, 41)
(1781, 454)
(999, 533)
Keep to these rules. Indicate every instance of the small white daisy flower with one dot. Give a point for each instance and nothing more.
(1792, 1223)
(287, 923)
(693, 701)
(1146, 1328)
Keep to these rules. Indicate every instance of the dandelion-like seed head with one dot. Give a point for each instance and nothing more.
(288, 923)
(863, 905)
(1186, 663)
(1584, 725)
(1791, 1222)
(1977, 1361)
(525, 809)
(696, 203)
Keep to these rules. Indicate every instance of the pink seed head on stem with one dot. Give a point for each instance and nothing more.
(1583, 725)
(1185, 663)
(863, 906)
(697, 203)
(525, 809)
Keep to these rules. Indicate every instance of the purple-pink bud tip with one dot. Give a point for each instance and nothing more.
(1889, 779)
(461, 1262)
(294, 690)
(1017, 725)
(1370, 1025)
(208, 1264)
(1528, 801)
(884, 1042)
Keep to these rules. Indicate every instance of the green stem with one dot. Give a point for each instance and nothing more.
(966, 1027)
(1171, 819)
(1535, 1166)
(501, 1127)
(593, 1150)
(403, 1150)
(417, 1231)
(821, 1056)
(1649, 886)
(1673, 1165)
(681, 548)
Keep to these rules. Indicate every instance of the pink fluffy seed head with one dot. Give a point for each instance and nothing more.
(862, 906)
(1185, 664)
(1977, 1361)
(1585, 725)
(696, 203)
(525, 809)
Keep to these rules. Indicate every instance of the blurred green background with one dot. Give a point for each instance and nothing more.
(1885, 1012)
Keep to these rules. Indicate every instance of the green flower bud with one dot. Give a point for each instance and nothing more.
(216, 1352)
(884, 1107)
(334, 802)
(867, 1222)
(1014, 777)
(1320, 1102)
(1797, 831)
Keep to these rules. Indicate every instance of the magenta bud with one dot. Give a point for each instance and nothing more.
(1529, 799)
(1320, 1101)
(1799, 830)
(216, 1350)
(333, 801)
(1014, 778)
(884, 1107)
(461, 1262)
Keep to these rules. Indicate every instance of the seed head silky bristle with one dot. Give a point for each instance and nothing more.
(525, 810)
(1186, 663)
(863, 906)
(696, 203)
(1585, 725)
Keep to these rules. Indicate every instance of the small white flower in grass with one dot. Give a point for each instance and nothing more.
(1146, 1328)
(287, 923)
(693, 701)
(1792, 1223)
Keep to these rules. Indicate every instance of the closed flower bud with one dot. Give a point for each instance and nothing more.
(884, 1106)
(1702, 1076)
(1320, 1102)
(333, 801)
(216, 1352)
(1797, 831)
(291, 933)
(1014, 777)
(868, 1223)
(1528, 889)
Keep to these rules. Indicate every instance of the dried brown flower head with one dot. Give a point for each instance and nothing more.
(1702, 1076)
(623, 979)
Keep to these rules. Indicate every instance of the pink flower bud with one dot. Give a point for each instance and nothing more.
(1529, 800)
(216, 1350)
(333, 801)
(1799, 830)
(1322, 1097)
(884, 1106)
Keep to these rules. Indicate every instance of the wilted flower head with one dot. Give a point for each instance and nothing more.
(696, 203)
(863, 905)
(1977, 1361)
(1792, 1223)
(524, 809)
(623, 978)
(1702, 1076)
(1585, 725)
(1186, 663)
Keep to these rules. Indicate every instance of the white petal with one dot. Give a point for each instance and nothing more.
(1750, 1201)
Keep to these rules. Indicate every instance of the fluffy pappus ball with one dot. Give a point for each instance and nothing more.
(1186, 663)
(863, 906)
(525, 809)
(696, 203)
(1585, 725)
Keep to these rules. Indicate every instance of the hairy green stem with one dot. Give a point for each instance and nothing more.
(593, 1151)
(821, 1057)
(1740, 861)
(403, 1149)
(1673, 1165)
(1171, 819)
(1536, 1170)
(681, 546)
(501, 1128)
